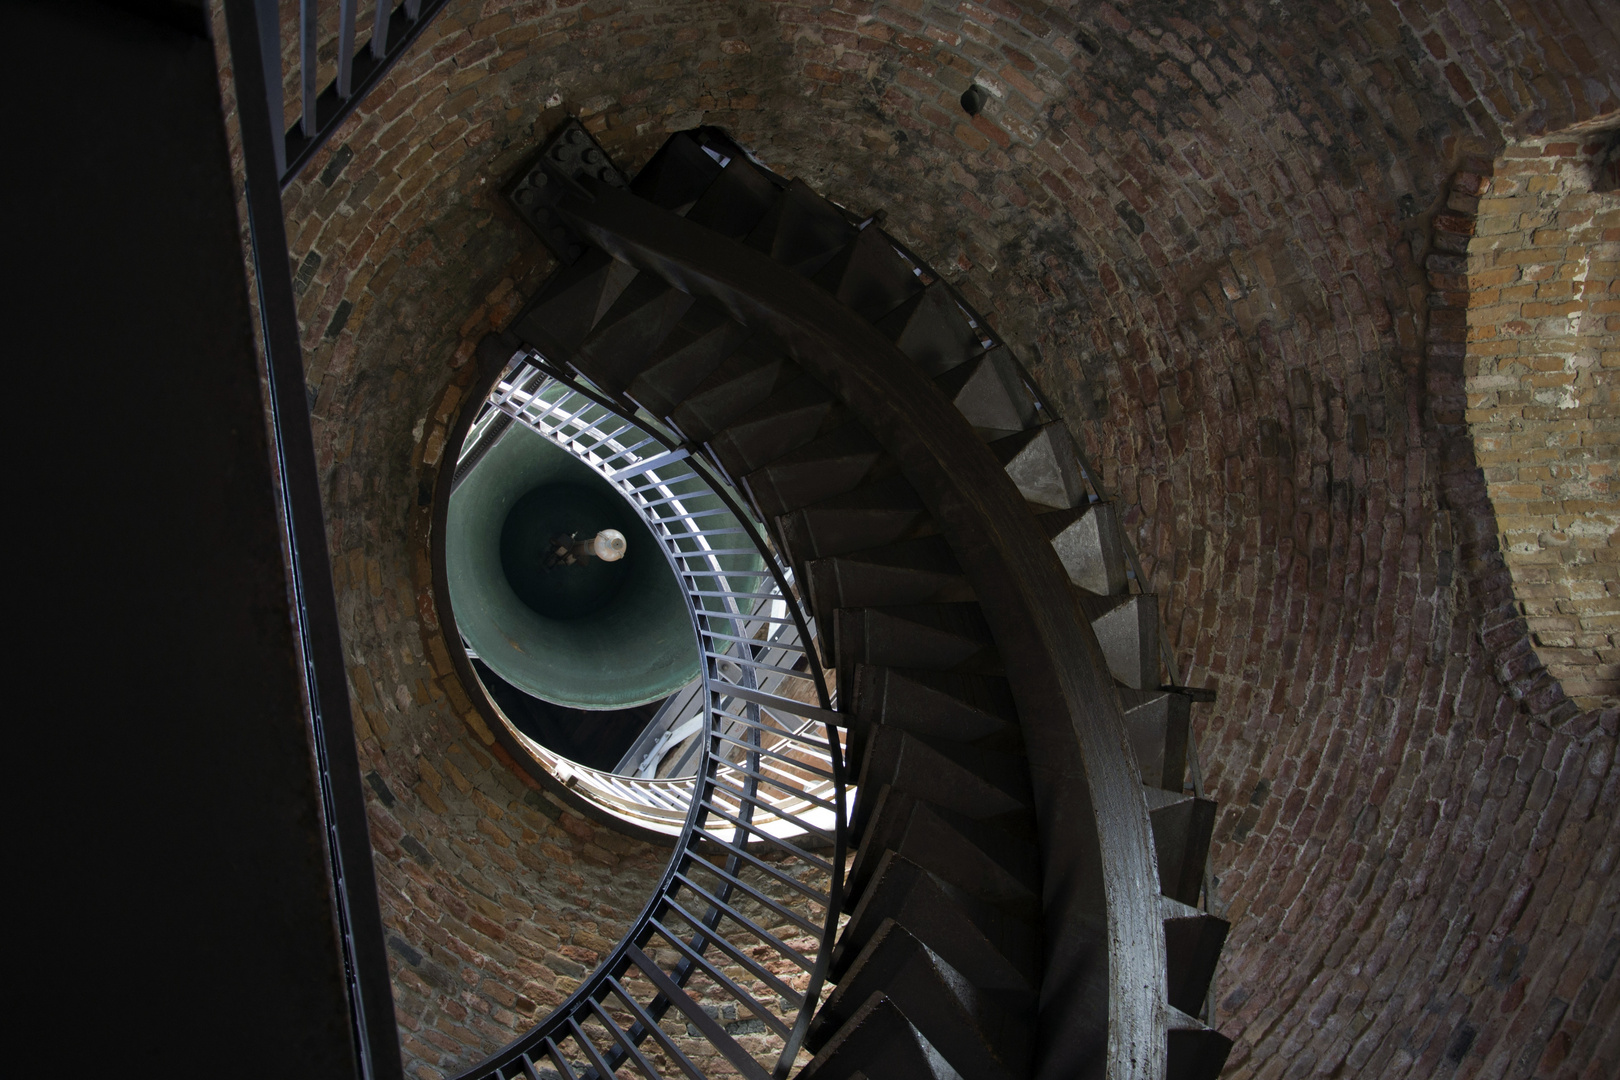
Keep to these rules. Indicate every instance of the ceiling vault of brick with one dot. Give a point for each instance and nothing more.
(1244, 247)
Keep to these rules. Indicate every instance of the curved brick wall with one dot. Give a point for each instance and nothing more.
(1209, 228)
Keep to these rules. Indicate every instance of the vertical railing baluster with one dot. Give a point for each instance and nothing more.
(309, 72)
(268, 16)
(379, 30)
(346, 17)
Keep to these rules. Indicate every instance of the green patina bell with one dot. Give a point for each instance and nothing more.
(536, 601)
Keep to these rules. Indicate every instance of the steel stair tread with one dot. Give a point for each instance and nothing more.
(1043, 464)
(933, 330)
(558, 319)
(736, 201)
(1192, 947)
(880, 512)
(989, 392)
(974, 782)
(1157, 724)
(794, 414)
(1127, 628)
(977, 857)
(905, 637)
(677, 174)
(743, 379)
(879, 1043)
(944, 705)
(993, 948)
(1182, 828)
(698, 345)
(868, 276)
(867, 579)
(1087, 540)
(830, 464)
(639, 322)
(968, 1027)
(802, 230)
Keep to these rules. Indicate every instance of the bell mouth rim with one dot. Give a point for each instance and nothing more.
(566, 658)
(559, 773)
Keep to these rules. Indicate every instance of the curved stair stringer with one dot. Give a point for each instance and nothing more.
(1102, 911)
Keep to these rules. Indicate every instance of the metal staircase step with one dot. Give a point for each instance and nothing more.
(868, 276)
(919, 571)
(1182, 827)
(977, 857)
(1087, 541)
(878, 1041)
(977, 783)
(744, 379)
(734, 204)
(802, 230)
(843, 581)
(932, 329)
(1192, 948)
(930, 553)
(638, 323)
(989, 391)
(876, 513)
(945, 637)
(697, 346)
(678, 173)
(1043, 465)
(1157, 723)
(941, 705)
(795, 413)
(965, 1025)
(839, 461)
(572, 302)
(992, 948)
(1127, 628)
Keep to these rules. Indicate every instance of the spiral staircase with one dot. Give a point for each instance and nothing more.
(964, 847)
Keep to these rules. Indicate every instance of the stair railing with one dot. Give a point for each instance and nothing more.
(758, 864)
(388, 30)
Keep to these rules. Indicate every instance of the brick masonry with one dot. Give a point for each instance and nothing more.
(1542, 360)
(1208, 227)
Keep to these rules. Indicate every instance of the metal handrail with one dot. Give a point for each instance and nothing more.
(256, 62)
(761, 834)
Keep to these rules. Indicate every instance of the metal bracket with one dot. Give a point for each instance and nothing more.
(569, 157)
(1192, 693)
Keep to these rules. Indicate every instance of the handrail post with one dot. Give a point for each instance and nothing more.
(267, 27)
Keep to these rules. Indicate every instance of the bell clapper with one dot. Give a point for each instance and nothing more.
(607, 545)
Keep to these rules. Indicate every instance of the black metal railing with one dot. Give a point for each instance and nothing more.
(754, 888)
(386, 31)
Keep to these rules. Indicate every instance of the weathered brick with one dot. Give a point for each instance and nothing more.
(1348, 571)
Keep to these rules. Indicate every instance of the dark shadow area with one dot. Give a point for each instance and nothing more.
(594, 737)
(169, 819)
